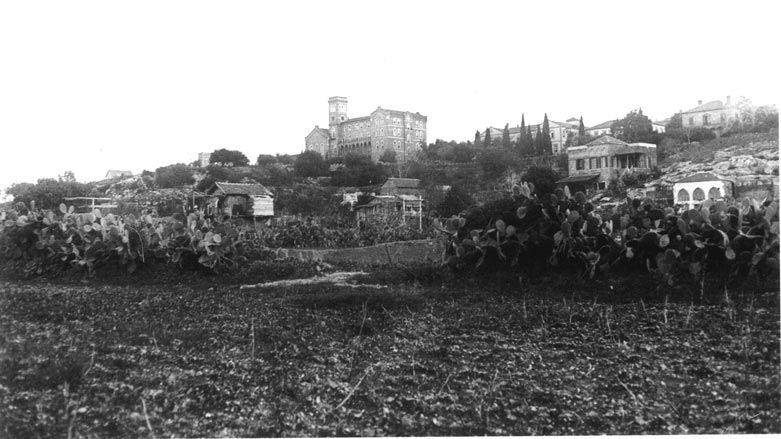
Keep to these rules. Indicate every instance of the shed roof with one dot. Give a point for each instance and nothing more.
(702, 176)
(405, 183)
(601, 126)
(578, 179)
(250, 189)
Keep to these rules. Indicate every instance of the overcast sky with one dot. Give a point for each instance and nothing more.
(92, 86)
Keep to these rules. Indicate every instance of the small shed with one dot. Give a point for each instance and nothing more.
(240, 199)
(695, 189)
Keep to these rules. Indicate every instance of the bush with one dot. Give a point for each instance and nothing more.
(544, 179)
(310, 164)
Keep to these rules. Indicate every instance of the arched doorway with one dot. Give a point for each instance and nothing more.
(714, 193)
(698, 195)
(683, 195)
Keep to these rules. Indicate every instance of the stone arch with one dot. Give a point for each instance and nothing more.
(714, 193)
(698, 195)
(683, 195)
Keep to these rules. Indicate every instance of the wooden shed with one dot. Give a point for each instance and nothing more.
(240, 199)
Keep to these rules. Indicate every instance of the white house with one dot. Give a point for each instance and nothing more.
(695, 189)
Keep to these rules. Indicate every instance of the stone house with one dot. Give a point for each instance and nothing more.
(713, 115)
(693, 190)
(601, 129)
(239, 199)
(593, 165)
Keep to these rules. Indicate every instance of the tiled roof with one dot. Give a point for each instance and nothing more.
(606, 140)
(703, 176)
(708, 106)
(601, 126)
(240, 189)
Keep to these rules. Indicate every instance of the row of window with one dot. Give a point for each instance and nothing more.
(699, 194)
(623, 162)
(706, 119)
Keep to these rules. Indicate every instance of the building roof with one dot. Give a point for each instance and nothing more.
(113, 173)
(578, 179)
(355, 119)
(402, 183)
(319, 130)
(603, 125)
(250, 189)
(703, 176)
(606, 140)
(708, 106)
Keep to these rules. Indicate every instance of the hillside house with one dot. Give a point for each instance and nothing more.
(713, 115)
(601, 129)
(693, 190)
(593, 165)
(239, 199)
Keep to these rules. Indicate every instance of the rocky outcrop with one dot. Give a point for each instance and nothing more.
(755, 164)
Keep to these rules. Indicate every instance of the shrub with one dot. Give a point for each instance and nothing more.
(174, 176)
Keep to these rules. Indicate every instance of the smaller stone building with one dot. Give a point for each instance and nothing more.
(693, 190)
(713, 115)
(593, 165)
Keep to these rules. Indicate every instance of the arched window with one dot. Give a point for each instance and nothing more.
(714, 193)
(683, 195)
(698, 195)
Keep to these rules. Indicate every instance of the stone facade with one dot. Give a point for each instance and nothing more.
(606, 158)
(400, 131)
(714, 115)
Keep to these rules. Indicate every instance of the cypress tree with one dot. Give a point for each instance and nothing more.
(478, 141)
(522, 135)
(487, 141)
(546, 142)
(506, 137)
(581, 128)
(529, 146)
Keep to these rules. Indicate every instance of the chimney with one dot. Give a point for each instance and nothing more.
(699, 102)
(729, 98)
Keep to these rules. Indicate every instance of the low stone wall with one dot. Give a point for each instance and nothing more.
(405, 252)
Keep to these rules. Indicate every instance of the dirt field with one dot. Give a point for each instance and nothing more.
(209, 359)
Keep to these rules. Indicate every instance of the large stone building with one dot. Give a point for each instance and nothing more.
(399, 131)
(593, 165)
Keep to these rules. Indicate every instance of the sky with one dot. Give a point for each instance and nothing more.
(91, 86)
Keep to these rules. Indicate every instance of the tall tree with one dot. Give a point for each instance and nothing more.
(310, 164)
(487, 141)
(506, 137)
(530, 145)
(547, 145)
(227, 157)
(539, 143)
(478, 141)
(581, 128)
(522, 135)
(635, 127)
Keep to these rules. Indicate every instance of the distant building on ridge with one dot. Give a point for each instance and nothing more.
(399, 131)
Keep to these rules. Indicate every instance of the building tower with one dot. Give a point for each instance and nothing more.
(337, 113)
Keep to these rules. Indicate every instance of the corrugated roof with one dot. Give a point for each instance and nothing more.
(240, 189)
(407, 183)
(708, 106)
(703, 176)
(605, 139)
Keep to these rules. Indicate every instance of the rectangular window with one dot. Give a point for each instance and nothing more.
(691, 121)
(705, 119)
(604, 162)
(580, 164)
(591, 164)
